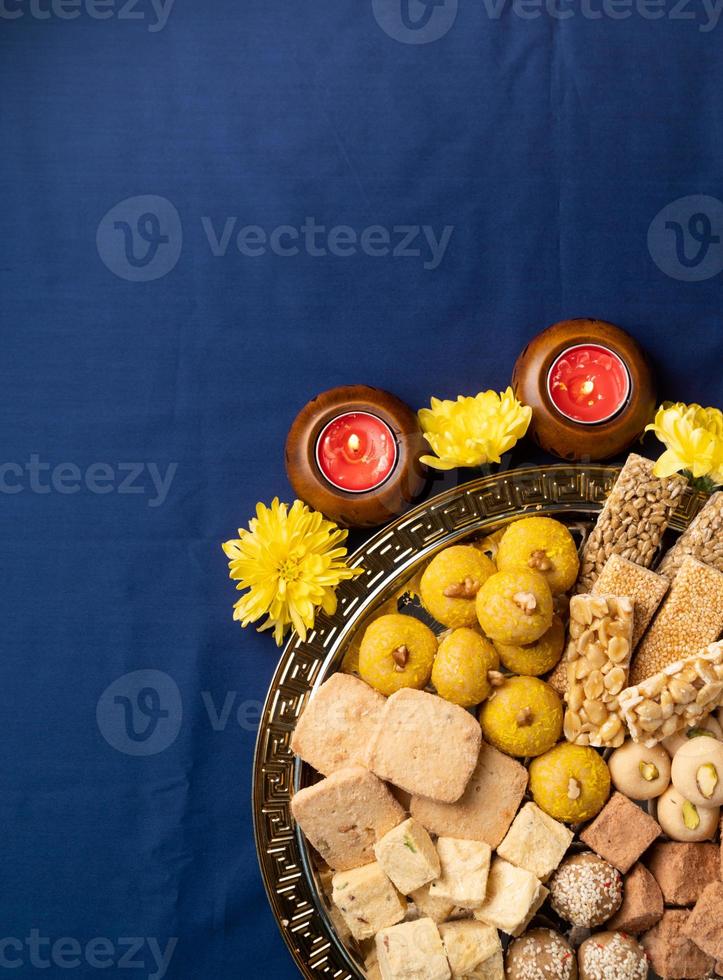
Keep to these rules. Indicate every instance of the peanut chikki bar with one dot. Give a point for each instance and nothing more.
(689, 619)
(677, 697)
(597, 657)
(703, 540)
(633, 520)
(647, 590)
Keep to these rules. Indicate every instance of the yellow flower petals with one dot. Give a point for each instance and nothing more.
(693, 439)
(472, 431)
(289, 563)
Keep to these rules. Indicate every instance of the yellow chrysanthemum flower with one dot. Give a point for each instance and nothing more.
(693, 440)
(473, 431)
(290, 562)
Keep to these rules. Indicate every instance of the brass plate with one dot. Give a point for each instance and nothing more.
(390, 558)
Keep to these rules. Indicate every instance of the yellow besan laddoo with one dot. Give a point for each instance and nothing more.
(570, 782)
(535, 658)
(544, 545)
(397, 651)
(522, 717)
(460, 669)
(450, 584)
(515, 606)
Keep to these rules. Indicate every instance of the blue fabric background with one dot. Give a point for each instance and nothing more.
(549, 146)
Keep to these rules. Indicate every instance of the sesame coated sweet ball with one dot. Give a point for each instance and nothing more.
(586, 891)
(461, 667)
(450, 583)
(570, 782)
(536, 658)
(612, 956)
(397, 651)
(515, 606)
(522, 717)
(544, 545)
(540, 954)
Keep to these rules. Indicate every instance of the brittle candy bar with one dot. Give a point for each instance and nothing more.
(647, 590)
(690, 617)
(703, 540)
(679, 696)
(633, 520)
(598, 656)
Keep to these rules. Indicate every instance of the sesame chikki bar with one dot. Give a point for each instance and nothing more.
(647, 590)
(690, 618)
(677, 697)
(703, 540)
(633, 520)
(597, 657)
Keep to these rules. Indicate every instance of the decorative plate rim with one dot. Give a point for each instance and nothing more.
(433, 524)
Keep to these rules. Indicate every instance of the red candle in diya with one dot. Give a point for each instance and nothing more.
(589, 386)
(588, 383)
(356, 452)
(353, 454)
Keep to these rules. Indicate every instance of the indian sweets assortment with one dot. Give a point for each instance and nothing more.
(533, 790)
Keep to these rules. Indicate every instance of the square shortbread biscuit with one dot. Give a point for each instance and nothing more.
(344, 816)
(468, 944)
(488, 806)
(406, 747)
(465, 866)
(408, 857)
(412, 951)
(337, 724)
(367, 900)
(513, 897)
(535, 842)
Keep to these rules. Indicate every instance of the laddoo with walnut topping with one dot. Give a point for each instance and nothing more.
(515, 606)
(450, 583)
(570, 782)
(545, 546)
(460, 670)
(534, 659)
(396, 652)
(523, 717)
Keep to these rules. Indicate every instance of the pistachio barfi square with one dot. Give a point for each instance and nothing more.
(535, 842)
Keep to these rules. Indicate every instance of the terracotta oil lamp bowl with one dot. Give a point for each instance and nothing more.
(590, 388)
(353, 454)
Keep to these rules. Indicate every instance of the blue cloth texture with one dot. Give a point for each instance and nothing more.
(211, 212)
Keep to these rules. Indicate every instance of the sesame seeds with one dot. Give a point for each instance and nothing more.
(540, 955)
(586, 890)
(612, 956)
(690, 618)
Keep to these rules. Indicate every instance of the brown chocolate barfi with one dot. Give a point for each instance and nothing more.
(621, 832)
(705, 923)
(672, 954)
(642, 903)
(683, 870)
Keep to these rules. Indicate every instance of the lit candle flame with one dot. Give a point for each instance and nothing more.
(587, 387)
(354, 443)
